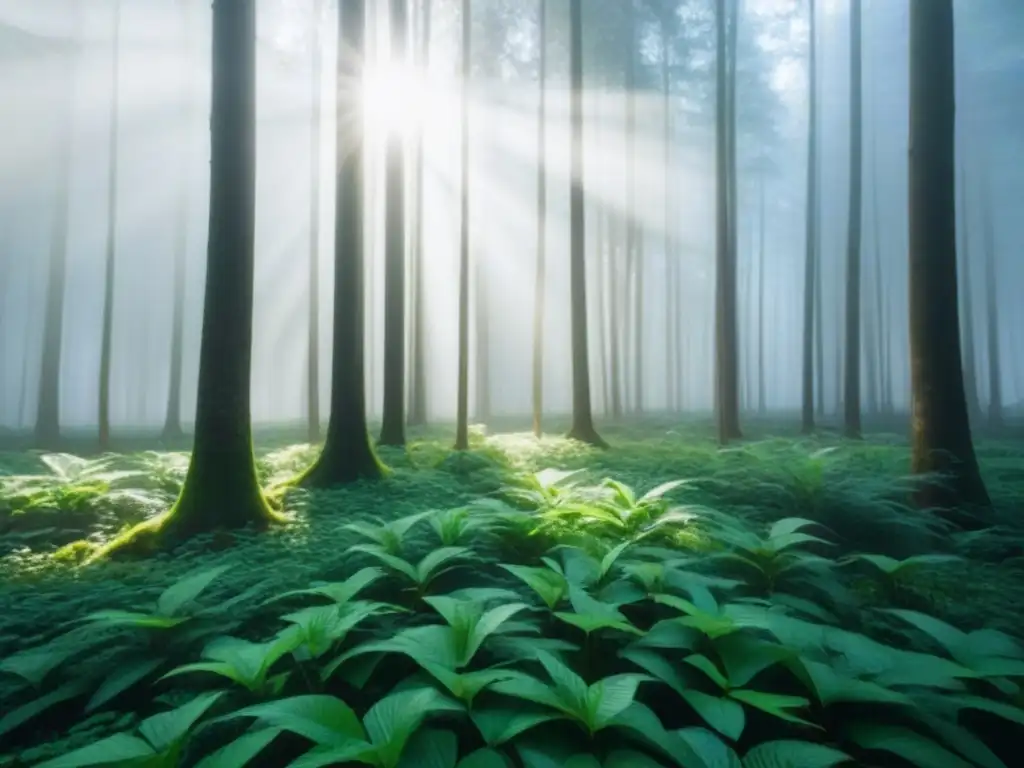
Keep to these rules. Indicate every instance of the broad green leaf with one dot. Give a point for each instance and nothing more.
(708, 667)
(486, 758)
(641, 721)
(571, 687)
(589, 623)
(240, 752)
(16, 717)
(324, 720)
(350, 750)
(430, 748)
(341, 591)
(120, 680)
(948, 636)
(34, 665)
(627, 758)
(181, 593)
(169, 728)
(657, 665)
(500, 724)
(466, 686)
(773, 703)
(745, 657)
(434, 562)
(119, 748)
(793, 754)
(608, 561)
(549, 585)
(724, 715)
(135, 619)
(997, 708)
(393, 562)
(609, 696)
(712, 750)
(488, 624)
(910, 745)
(529, 688)
(392, 721)
(658, 491)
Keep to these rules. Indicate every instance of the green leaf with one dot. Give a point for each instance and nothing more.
(431, 748)
(712, 750)
(549, 585)
(135, 619)
(641, 721)
(240, 752)
(181, 593)
(609, 696)
(724, 715)
(707, 666)
(393, 562)
(342, 591)
(19, 715)
(488, 624)
(793, 754)
(997, 708)
(529, 688)
(169, 728)
(432, 564)
(627, 758)
(119, 748)
(120, 680)
(324, 720)
(772, 703)
(392, 721)
(911, 746)
(349, 750)
(657, 665)
(500, 724)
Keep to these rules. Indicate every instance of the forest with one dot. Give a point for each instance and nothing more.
(511, 383)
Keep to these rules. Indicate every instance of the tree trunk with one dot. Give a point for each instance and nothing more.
(540, 284)
(313, 350)
(852, 348)
(462, 405)
(941, 430)
(726, 362)
(603, 241)
(761, 399)
(995, 368)
(582, 415)
(671, 340)
(634, 257)
(347, 453)
(417, 414)
(221, 489)
(964, 269)
(107, 331)
(807, 410)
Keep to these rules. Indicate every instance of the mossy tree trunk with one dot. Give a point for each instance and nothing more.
(393, 420)
(347, 454)
(582, 427)
(941, 429)
(540, 274)
(462, 397)
(852, 346)
(221, 489)
(107, 332)
(313, 340)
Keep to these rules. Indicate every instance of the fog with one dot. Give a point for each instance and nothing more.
(162, 185)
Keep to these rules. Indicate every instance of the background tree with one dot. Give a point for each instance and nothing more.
(313, 352)
(807, 409)
(852, 347)
(462, 404)
(540, 283)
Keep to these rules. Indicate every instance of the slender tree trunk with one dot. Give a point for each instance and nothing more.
(615, 319)
(671, 341)
(462, 405)
(971, 389)
(582, 415)
(995, 368)
(347, 453)
(417, 414)
(600, 258)
(540, 283)
(172, 430)
(852, 347)
(47, 426)
(392, 430)
(634, 257)
(726, 363)
(811, 277)
(221, 489)
(107, 333)
(313, 349)
(941, 429)
(761, 399)
(481, 337)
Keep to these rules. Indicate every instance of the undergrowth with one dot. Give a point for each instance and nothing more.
(526, 604)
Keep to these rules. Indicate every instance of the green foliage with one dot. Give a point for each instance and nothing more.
(404, 637)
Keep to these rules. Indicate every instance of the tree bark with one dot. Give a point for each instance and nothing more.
(582, 415)
(995, 368)
(313, 350)
(807, 410)
(540, 283)
(462, 404)
(964, 269)
(852, 347)
(941, 430)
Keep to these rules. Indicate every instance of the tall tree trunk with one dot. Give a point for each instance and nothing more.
(671, 341)
(313, 348)
(540, 283)
(47, 425)
(852, 347)
(417, 414)
(347, 453)
(481, 337)
(726, 353)
(811, 278)
(964, 269)
(995, 368)
(941, 429)
(392, 430)
(462, 404)
(761, 398)
(107, 332)
(618, 301)
(634, 256)
(172, 430)
(582, 415)
(221, 489)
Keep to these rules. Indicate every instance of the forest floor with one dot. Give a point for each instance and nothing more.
(54, 509)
